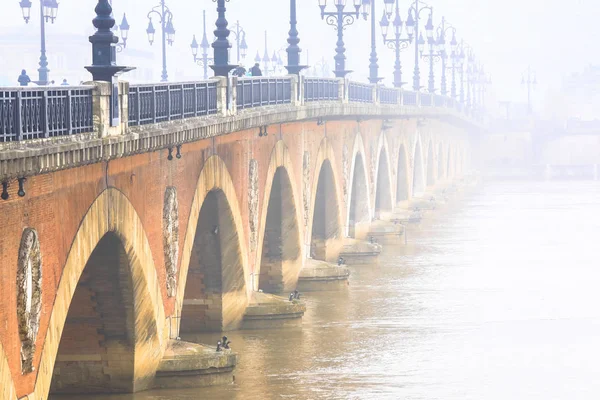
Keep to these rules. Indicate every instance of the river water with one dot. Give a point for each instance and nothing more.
(496, 296)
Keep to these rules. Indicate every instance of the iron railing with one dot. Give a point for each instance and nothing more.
(439, 101)
(388, 95)
(257, 92)
(321, 89)
(42, 112)
(360, 92)
(36, 112)
(426, 100)
(149, 104)
(409, 98)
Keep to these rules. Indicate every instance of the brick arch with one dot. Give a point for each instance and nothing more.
(449, 160)
(402, 174)
(418, 168)
(431, 166)
(280, 158)
(111, 212)
(358, 152)
(440, 167)
(7, 388)
(325, 153)
(383, 177)
(214, 177)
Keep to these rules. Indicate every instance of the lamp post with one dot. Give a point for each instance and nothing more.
(529, 78)
(165, 17)
(293, 50)
(265, 59)
(368, 7)
(221, 45)
(412, 27)
(397, 42)
(240, 41)
(433, 55)
(204, 60)
(464, 54)
(48, 11)
(442, 30)
(339, 19)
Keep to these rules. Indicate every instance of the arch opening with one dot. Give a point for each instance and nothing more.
(325, 225)
(383, 194)
(430, 165)
(215, 291)
(418, 175)
(280, 262)
(359, 201)
(449, 169)
(440, 162)
(97, 348)
(402, 183)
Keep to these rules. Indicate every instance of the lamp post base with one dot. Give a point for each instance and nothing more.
(223, 70)
(295, 69)
(342, 74)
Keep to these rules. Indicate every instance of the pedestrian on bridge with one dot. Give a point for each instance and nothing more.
(255, 71)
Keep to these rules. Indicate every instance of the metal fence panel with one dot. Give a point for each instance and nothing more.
(388, 95)
(42, 112)
(263, 91)
(360, 92)
(409, 98)
(321, 89)
(426, 100)
(149, 104)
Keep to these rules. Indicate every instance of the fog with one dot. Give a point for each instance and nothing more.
(507, 36)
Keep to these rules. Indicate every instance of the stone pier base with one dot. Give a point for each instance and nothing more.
(189, 365)
(357, 252)
(322, 276)
(267, 311)
(386, 231)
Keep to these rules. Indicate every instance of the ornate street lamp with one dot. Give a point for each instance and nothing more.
(240, 41)
(265, 58)
(340, 19)
(442, 31)
(221, 45)
(48, 13)
(412, 28)
(123, 30)
(432, 55)
(203, 60)
(529, 79)
(464, 60)
(293, 50)
(396, 42)
(165, 17)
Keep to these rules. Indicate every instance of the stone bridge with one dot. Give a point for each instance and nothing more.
(120, 235)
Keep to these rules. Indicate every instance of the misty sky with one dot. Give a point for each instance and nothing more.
(555, 37)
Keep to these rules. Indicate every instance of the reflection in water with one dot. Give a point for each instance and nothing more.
(493, 298)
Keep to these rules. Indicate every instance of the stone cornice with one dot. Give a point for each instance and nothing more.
(34, 157)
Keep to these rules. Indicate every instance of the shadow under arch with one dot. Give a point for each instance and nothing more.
(214, 255)
(111, 214)
(418, 183)
(440, 174)
(325, 220)
(7, 388)
(358, 212)
(430, 164)
(402, 188)
(383, 185)
(279, 254)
